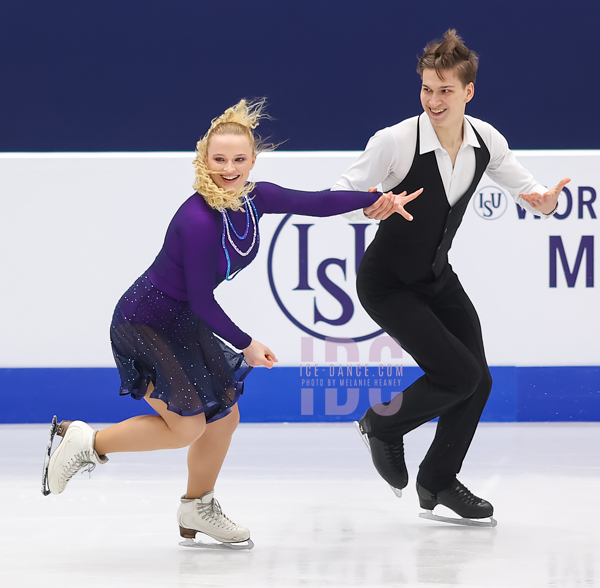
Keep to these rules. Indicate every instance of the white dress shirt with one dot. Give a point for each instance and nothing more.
(389, 155)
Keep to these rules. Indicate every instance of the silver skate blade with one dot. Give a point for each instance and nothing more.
(363, 435)
(242, 545)
(45, 488)
(365, 438)
(396, 491)
(428, 514)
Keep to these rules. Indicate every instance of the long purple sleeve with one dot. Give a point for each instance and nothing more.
(325, 203)
(192, 263)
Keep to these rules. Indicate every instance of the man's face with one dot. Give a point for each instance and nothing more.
(444, 100)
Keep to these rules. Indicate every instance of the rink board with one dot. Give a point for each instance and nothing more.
(77, 229)
(523, 394)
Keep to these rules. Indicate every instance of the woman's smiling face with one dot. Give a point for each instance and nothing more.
(231, 157)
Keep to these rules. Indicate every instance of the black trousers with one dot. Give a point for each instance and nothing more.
(436, 323)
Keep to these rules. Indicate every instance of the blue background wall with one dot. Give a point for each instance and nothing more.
(91, 394)
(142, 75)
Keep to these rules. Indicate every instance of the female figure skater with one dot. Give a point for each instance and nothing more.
(163, 328)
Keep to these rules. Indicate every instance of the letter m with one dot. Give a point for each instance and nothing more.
(585, 246)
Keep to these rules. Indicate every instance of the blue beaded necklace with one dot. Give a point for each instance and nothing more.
(250, 213)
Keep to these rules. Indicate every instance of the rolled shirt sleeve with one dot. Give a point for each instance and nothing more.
(505, 170)
(373, 166)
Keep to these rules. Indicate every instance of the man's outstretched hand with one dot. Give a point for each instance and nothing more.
(546, 202)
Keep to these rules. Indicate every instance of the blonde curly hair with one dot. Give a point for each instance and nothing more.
(240, 119)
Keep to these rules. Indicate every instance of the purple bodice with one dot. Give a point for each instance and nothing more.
(192, 263)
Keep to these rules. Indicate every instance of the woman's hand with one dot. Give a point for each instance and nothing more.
(389, 203)
(381, 208)
(258, 354)
(400, 200)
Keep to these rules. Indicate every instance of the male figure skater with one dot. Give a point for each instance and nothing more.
(408, 287)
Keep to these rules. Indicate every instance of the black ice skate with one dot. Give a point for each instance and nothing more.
(462, 501)
(388, 459)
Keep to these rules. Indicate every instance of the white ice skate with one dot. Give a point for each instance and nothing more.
(365, 438)
(75, 452)
(204, 515)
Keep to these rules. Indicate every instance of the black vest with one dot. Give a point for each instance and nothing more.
(418, 250)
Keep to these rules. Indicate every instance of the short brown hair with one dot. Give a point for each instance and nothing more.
(450, 53)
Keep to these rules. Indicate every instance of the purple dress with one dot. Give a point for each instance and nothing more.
(163, 327)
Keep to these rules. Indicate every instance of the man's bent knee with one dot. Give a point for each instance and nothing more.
(465, 381)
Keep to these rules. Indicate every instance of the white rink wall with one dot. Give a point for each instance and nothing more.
(77, 229)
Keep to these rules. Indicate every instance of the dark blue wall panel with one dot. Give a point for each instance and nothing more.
(91, 394)
(558, 394)
(149, 74)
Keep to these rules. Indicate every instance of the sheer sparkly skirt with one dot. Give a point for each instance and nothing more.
(158, 339)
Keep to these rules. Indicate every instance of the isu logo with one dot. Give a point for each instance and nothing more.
(490, 203)
(312, 269)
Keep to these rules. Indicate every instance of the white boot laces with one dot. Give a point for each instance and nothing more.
(78, 461)
(212, 513)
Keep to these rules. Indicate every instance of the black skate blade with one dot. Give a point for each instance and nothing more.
(397, 491)
(241, 545)
(53, 428)
(490, 523)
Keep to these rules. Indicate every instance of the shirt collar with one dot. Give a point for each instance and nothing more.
(430, 142)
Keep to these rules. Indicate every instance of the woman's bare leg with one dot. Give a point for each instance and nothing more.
(166, 430)
(206, 454)
(208, 444)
